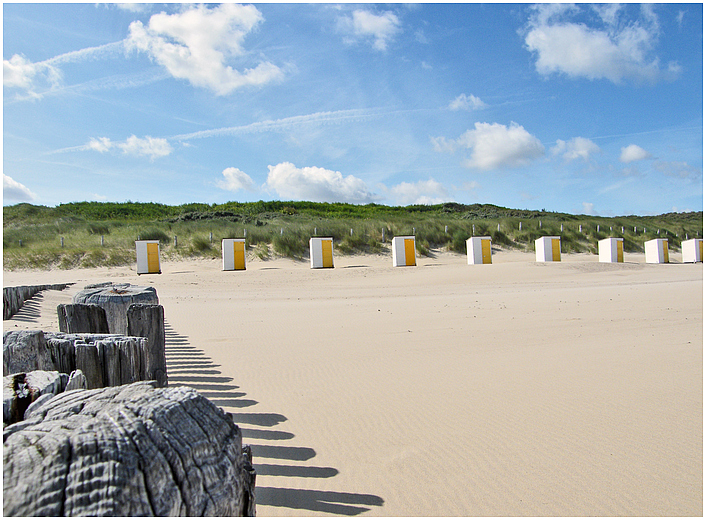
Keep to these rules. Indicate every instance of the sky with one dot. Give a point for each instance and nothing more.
(584, 109)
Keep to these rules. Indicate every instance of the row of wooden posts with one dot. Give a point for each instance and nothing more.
(479, 251)
(414, 232)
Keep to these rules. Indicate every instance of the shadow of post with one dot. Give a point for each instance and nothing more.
(190, 366)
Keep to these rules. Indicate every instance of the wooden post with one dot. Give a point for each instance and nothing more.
(175, 241)
(102, 240)
(62, 241)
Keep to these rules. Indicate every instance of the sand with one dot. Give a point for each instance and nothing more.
(517, 388)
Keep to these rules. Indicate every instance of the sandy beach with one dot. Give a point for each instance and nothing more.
(445, 389)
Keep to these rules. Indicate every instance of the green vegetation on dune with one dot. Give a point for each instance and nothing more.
(96, 233)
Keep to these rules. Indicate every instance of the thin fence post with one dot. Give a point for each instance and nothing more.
(62, 241)
(175, 241)
(102, 241)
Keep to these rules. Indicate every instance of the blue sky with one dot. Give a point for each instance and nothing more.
(594, 109)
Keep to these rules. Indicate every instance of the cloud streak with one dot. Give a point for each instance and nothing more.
(287, 123)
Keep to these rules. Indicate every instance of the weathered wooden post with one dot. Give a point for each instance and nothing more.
(79, 317)
(147, 321)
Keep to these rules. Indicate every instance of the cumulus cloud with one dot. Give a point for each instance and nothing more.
(101, 144)
(420, 192)
(149, 146)
(615, 49)
(632, 153)
(153, 147)
(494, 146)
(195, 45)
(587, 208)
(15, 191)
(576, 148)
(464, 102)
(235, 180)
(364, 25)
(317, 184)
(18, 72)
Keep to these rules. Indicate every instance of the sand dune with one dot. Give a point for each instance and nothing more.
(517, 388)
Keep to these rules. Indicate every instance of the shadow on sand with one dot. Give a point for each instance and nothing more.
(190, 366)
(30, 311)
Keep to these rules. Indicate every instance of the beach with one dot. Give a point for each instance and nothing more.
(572, 388)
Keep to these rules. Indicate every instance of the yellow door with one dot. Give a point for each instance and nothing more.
(238, 255)
(409, 252)
(485, 251)
(556, 250)
(153, 258)
(620, 250)
(665, 250)
(327, 253)
(701, 251)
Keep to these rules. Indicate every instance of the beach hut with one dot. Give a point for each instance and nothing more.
(692, 251)
(610, 250)
(479, 250)
(657, 251)
(233, 252)
(548, 249)
(403, 251)
(321, 252)
(147, 256)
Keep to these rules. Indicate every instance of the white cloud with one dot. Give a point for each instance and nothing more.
(616, 50)
(18, 72)
(152, 146)
(102, 144)
(678, 169)
(133, 8)
(576, 148)
(235, 180)
(464, 102)
(420, 192)
(317, 184)
(148, 146)
(196, 44)
(587, 208)
(365, 25)
(633, 153)
(14, 191)
(494, 146)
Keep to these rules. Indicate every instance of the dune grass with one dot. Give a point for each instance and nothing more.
(104, 235)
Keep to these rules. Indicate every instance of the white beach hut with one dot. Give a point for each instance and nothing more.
(321, 252)
(657, 251)
(233, 252)
(479, 250)
(403, 251)
(610, 250)
(692, 251)
(147, 256)
(548, 249)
